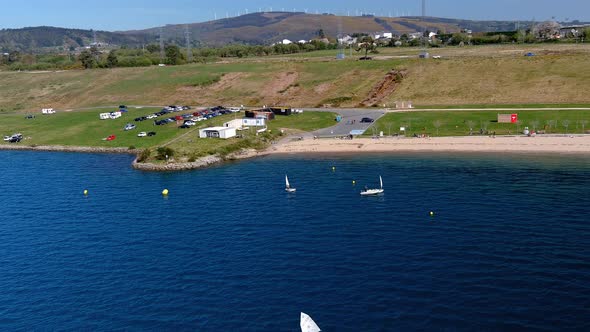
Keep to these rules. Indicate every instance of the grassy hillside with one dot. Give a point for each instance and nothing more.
(471, 75)
(255, 28)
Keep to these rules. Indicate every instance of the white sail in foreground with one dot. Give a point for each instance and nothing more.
(288, 186)
(373, 192)
(307, 324)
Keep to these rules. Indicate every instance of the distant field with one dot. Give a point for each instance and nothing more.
(558, 74)
(458, 123)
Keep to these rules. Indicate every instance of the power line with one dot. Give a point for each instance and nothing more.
(189, 49)
(161, 45)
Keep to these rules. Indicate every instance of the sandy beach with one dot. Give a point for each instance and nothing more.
(521, 144)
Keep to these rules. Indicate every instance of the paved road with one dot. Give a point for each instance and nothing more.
(351, 120)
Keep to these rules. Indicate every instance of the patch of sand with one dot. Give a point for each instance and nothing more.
(554, 144)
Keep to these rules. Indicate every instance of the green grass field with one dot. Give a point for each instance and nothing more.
(458, 123)
(84, 128)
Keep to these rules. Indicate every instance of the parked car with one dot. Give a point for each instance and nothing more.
(129, 126)
(142, 134)
(30, 116)
(367, 120)
(111, 138)
(15, 138)
(6, 138)
(151, 116)
(151, 133)
(122, 106)
(189, 123)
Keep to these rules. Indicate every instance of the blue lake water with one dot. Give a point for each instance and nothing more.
(229, 250)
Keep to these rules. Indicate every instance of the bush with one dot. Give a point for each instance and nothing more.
(144, 155)
(163, 152)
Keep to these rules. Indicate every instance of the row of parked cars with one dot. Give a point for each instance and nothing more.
(190, 119)
(164, 111)
(14, 138)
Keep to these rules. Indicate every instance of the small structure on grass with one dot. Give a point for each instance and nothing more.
(507, 118)
(217, 132)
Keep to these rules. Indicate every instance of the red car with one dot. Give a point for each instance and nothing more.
(111, 137)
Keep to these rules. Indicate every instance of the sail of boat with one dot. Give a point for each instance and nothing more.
(381, 181)
(288, 186)
(307, 324)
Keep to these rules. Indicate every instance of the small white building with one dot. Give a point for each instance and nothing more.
(287, 42)
(47, 111)
(254, 122)
(388, 35)
(415, 35)
(217, 132)
(302, 41)
(237, 123)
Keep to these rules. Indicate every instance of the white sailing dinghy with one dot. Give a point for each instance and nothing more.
(373, 192)
(288, 186)
(307, 324)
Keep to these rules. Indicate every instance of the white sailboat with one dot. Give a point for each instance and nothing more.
(373, 192)
(288, 186)
(307, 324)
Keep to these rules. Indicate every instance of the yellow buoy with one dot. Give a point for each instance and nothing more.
(353, 182)
(85, 192)
(431, 214)
(333, 168)
(165, 192)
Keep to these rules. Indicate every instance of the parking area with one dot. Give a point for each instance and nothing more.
(351, 120)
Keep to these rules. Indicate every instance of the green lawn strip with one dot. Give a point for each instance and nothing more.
(531, 106)
(458, 123)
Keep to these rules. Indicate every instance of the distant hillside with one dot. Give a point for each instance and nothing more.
(61, 39)
(265, 28)
(256, 28)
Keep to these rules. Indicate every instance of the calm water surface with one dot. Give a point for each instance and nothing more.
(229, 250)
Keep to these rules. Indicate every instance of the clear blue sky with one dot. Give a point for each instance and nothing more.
(138, 14)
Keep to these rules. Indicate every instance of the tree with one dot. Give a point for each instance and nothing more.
(153, 48)
(87, 59)
(437, 124)
(112, 60)
(470, 124)
(173, 55)
(547, 30)
(321, 34)
(13, 56)
(368, 44)
(566, 124)
(583, 123)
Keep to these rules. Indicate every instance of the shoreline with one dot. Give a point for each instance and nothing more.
(573, 145)
(63, 148)
(579, 144)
